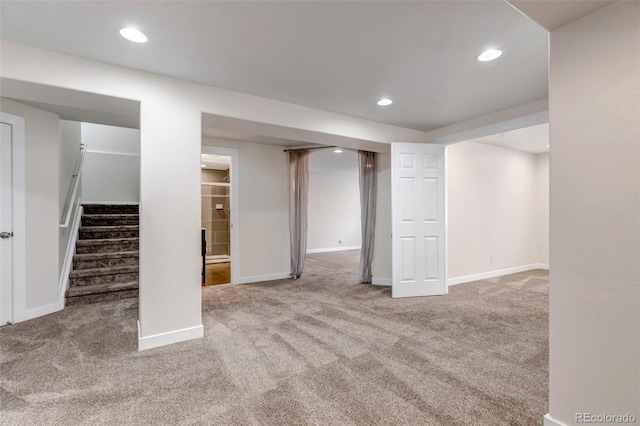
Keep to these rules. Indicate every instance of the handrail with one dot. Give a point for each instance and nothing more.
(75, 181)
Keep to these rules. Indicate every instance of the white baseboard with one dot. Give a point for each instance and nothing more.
(43, 310)
(381, 281)
(68, 256)
(542, 266)
(550, 421)
(169, 337)
(328, 249)
(492, 274)
(260, 278)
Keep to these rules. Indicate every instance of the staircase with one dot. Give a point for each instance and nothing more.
(105, 266)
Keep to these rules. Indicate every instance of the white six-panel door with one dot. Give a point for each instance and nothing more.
(418, 219)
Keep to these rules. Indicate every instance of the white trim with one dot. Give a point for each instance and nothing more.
(550, 421)
(492, 274)
(168, 338)
(44, 310)
(261, 278)
(446, 220)
(68, 256)
(234, 226)
(328, 249)
(542, 266)
(381, 281)
(93, 151)
(19, 215)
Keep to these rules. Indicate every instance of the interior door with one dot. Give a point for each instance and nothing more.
(418, 219)
(6, 225)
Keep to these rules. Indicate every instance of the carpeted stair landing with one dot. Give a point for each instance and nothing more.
(105, 266)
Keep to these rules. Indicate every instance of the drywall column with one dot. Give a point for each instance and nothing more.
(170, 292)
(594, 107)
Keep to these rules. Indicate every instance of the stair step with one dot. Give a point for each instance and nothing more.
(110, 208)
(101, 288)
(112, 274)
(108, 232)
(111, 245)
(110, 219)
(103, 260)
(101, 297)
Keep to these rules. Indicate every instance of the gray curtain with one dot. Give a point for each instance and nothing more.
(368, 195)
(298, 201)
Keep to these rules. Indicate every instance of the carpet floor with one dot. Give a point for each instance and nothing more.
(321, 350)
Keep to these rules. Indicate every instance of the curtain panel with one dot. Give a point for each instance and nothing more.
(298, 202)
(367, 171)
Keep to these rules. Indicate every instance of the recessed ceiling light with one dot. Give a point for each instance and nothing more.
(204, 166)
(384, 102)
(133, 35)
(337, 150)
(489, 55)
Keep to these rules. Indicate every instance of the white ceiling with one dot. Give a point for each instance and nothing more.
(534, 139)
(335, 56)
(73, 105)
(235, 135)
(554, 14)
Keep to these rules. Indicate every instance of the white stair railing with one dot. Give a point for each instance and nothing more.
(73, 193)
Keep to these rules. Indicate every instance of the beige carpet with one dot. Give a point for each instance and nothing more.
(321, 350)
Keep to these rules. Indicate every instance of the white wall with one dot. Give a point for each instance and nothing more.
(492, 209)
(69, 160)
(111, 139)
(111, 170)
(542, 208)
(263, 189)
(334, 201)
(594, 105)
(42, 152)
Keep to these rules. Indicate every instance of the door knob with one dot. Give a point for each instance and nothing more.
(5, 235)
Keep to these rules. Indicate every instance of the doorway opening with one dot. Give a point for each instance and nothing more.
(216, 218)
(218, 183)
(498, 205)
(334, 223)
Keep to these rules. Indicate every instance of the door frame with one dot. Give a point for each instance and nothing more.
(18, 167)
(234, 226)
